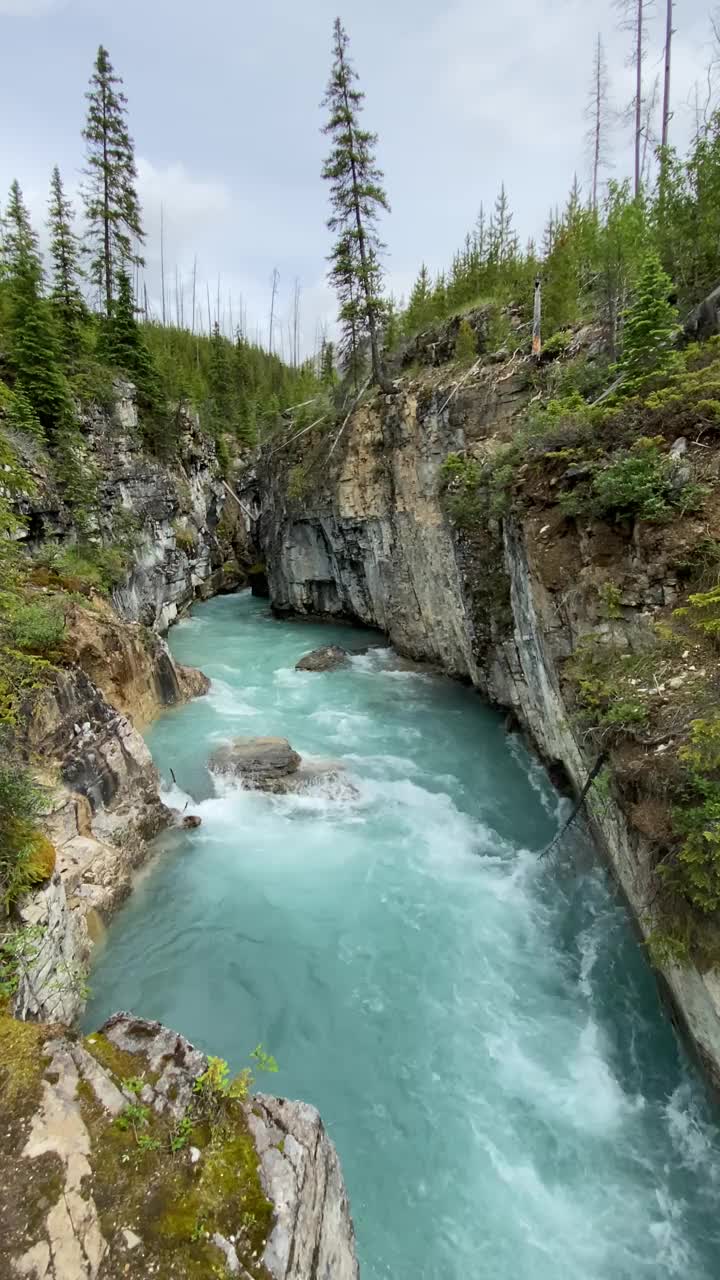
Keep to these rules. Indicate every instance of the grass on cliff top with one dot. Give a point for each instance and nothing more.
(143, 1178)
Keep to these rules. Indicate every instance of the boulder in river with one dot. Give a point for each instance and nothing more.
(266, 763)
(329, 658)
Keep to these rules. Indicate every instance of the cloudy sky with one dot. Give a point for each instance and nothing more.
(224, 108)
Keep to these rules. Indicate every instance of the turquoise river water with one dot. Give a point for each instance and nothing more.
(478, 1027)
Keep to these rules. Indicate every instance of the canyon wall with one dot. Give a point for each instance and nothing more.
(357, 529)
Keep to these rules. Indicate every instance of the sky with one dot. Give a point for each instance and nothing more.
(224, 106)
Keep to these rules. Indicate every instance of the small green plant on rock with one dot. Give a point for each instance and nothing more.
(697, 867)
(465, 343)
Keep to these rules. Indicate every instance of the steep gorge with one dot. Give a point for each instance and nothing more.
(268, 1169)
(357, 527)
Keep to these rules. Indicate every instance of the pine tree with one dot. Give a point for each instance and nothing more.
(327, 363)
(223, 403)
(503, 243)
(33, 342)
(357, 198)
(66, 297)
(123, 345)
(343, 274)
(420, 307)
(112, 207)
(651, 324)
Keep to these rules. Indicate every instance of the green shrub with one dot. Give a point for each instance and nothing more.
(557, 344)
(36, 627)
(297, 482)
(185, 537)
(697, 869)
(465, 343)
(87, 564)
(26, 857)
(640, 482)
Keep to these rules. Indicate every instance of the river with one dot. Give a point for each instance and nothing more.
(478, 1027)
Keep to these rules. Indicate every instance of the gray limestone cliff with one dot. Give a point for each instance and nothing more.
(364, 535)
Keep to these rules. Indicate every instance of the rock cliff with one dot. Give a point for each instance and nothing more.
(123, 1159)
(101, 791)
(356, 528)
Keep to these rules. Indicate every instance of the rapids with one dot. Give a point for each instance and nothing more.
(479, 1029)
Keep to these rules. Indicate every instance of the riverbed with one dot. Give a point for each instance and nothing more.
(477, 1025)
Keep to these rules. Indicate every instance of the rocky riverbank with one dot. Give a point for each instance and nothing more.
(128, 1154)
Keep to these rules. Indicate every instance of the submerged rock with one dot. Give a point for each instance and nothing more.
(329, 658)
(265, 763)
(190, 821)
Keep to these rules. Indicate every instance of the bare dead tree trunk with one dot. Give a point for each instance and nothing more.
(666, 90)
(273, 295)
(207, 286)
(649, 137)
(537, 320)
(638, 93)
(162, 263)
(296, 325)
(193, 292)
(598, 119)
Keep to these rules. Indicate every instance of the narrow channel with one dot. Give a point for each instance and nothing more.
(479, 1028)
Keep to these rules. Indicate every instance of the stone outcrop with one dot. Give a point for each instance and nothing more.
(102, 793)
(187, 534)
(329, 658)
(88, 1202)
(502, 605)
(268, 764)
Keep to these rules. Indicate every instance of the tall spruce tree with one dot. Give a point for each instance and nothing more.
(112, 208)
(357, 198)
(34, 350)
(66, 297)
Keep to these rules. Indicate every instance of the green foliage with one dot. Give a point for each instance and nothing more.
(18, 949)
(86, 565)
(263, 1061)
(112, 209)
(185, 537)
(35, 626)
(134, 1116)
(297, 482)
(34, 348)
(123, 346)
(697, 868)
(703, 612)
(66, 299)
(465, 344)
(180, 1135)
(23, 853)
(20, 414)
(650, 325)
(357, 198)
(638, 482)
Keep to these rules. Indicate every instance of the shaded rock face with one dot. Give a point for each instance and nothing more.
(328, 658)
(265, 763)
(189, 535)
(102, 793)
(502, 604)
(87, 1205)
